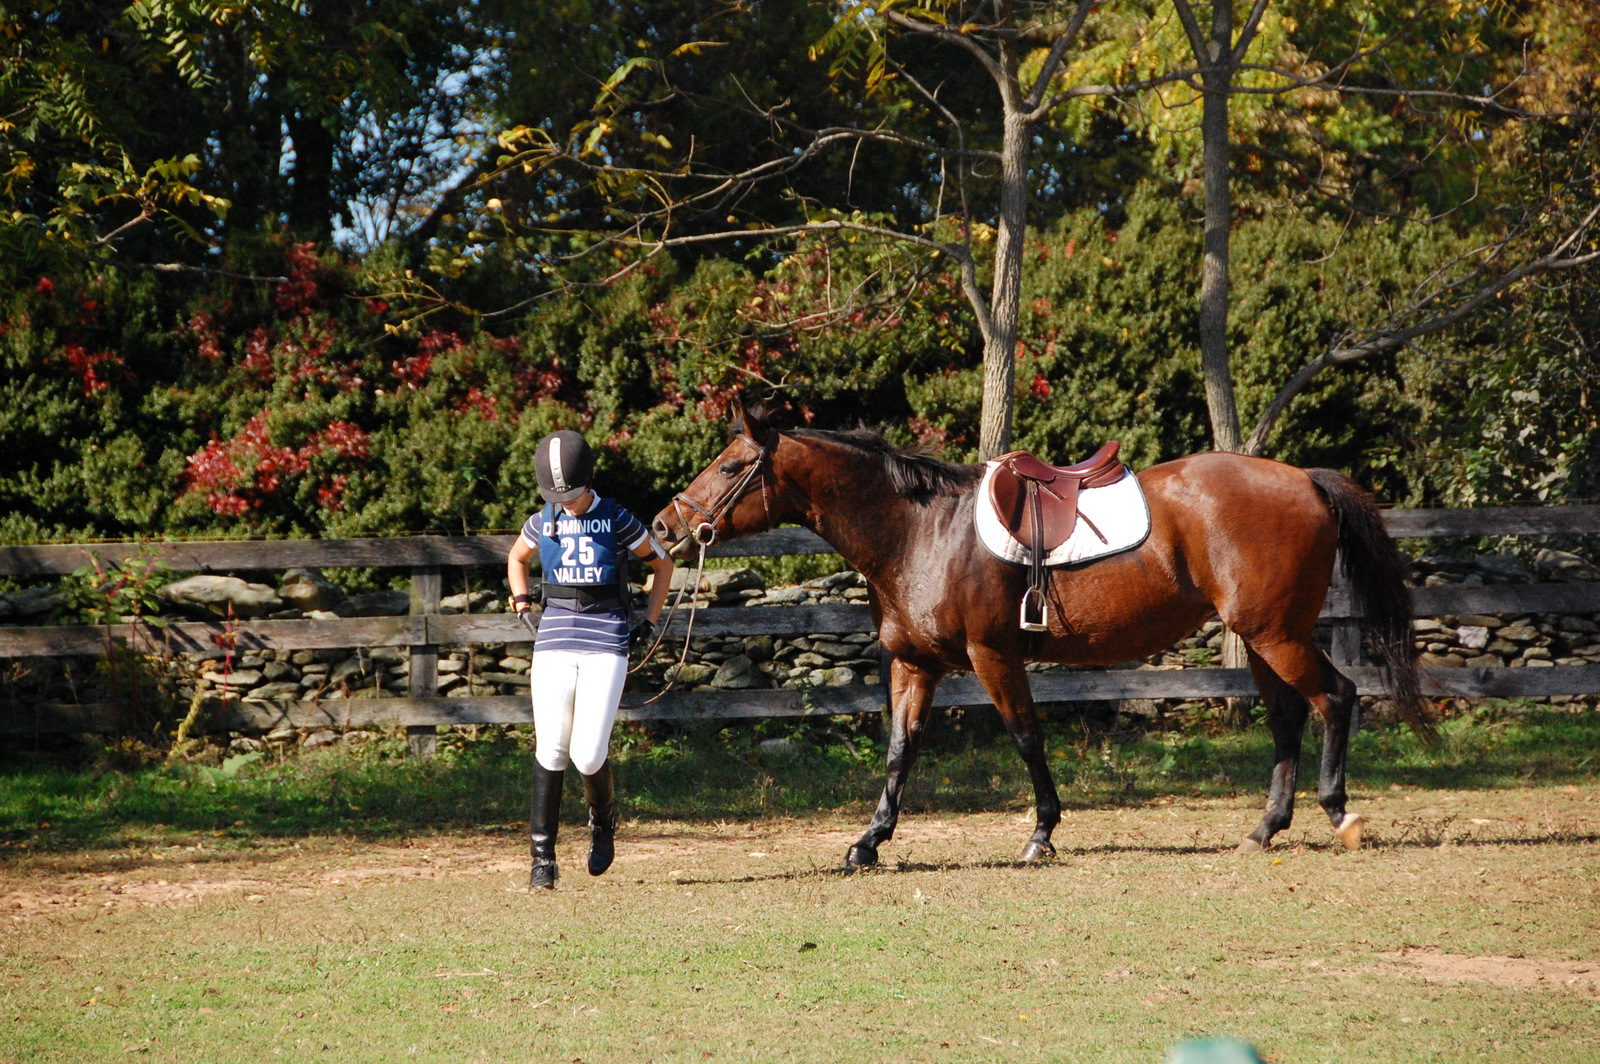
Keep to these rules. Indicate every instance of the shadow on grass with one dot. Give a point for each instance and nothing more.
(375, 793)
(1221, 850)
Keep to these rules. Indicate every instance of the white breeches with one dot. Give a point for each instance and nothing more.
(575, 696)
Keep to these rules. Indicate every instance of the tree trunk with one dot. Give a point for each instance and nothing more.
(1000, 346)
(250, 144)
(1218, 375)
(1220, 403)
(994, 436)
(311, 205)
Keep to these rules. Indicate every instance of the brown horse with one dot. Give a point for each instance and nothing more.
(1251, 540)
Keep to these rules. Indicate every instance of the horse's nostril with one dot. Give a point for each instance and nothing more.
(660, 528)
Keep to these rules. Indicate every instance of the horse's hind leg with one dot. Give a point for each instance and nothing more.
(1337, 704)
(1007, 684)
(1286, 717)
(911, 692)
(1302, 673)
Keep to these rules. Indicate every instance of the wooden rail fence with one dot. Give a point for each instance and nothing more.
(426, 629)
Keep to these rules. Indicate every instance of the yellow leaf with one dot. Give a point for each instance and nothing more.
(592, 141)
(695, 48)
(507, 138)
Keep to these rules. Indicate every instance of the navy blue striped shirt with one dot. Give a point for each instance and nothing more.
(584, 550)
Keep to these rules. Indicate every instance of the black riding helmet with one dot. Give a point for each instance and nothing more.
(564, 465)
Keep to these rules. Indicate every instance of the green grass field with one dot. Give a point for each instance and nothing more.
(338, 906)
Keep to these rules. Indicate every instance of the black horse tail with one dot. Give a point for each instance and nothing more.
(1376, 575)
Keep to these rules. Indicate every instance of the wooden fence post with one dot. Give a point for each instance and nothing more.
(426, 584)
(1236, 710)
(1346, 646)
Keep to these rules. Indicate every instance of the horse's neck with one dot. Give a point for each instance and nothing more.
(857, 510)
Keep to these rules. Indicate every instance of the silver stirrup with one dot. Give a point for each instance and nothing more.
(1038, 619)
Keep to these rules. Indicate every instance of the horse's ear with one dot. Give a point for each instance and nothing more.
(752, 422)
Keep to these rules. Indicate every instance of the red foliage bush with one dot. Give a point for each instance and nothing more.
(301, 293)
(248, 471)
(84, 365)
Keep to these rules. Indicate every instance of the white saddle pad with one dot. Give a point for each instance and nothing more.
(1117, 510)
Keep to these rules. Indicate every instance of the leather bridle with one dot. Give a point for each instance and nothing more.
(705, 533)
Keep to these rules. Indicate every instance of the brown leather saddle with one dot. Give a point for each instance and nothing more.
(1038, 504)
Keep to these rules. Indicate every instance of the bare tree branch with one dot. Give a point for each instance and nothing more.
(961, 170)
(969, 280)
(961, 40)
(144, 215)
(1047, 71)
(1191, 27)
(184, 267)
(1293, 82)
(1130, 88)
(1252, 23)
(1397, 335)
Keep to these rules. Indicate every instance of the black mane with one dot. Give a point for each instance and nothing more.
(917, 477)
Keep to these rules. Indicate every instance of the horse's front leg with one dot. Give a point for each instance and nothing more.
(911, 692)
(1007, 684)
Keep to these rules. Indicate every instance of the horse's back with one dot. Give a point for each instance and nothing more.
(1254, 534)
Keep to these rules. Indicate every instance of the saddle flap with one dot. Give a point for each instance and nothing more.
(1058, 505)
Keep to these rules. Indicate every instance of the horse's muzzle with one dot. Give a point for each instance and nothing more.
(677, 543)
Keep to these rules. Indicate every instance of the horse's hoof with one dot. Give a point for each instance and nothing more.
(1349, 831)
(1038, 851)
(1250, 845)
(861, 856)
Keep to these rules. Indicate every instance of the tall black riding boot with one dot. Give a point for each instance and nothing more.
(601, 793)
(544, 818)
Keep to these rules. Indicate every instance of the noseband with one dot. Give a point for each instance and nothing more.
(705, 533)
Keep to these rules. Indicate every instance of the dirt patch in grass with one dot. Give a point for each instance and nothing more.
(1526, 972)
(650, 850)
(733, 851)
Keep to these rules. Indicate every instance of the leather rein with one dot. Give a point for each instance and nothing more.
(704, 535)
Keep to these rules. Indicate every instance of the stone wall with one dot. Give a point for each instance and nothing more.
(1511, 640)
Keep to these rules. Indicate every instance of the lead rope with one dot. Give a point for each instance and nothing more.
(683, 655)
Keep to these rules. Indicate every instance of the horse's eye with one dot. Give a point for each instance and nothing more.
(732, 466)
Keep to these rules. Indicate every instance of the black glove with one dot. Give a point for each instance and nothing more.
(641, 634)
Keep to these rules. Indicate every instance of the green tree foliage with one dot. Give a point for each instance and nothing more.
(1110, 345)
(270, 384)
(132, 130)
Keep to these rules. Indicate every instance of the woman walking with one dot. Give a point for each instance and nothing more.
(580, 659)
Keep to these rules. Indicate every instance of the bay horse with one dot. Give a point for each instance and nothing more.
(1250, 540)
